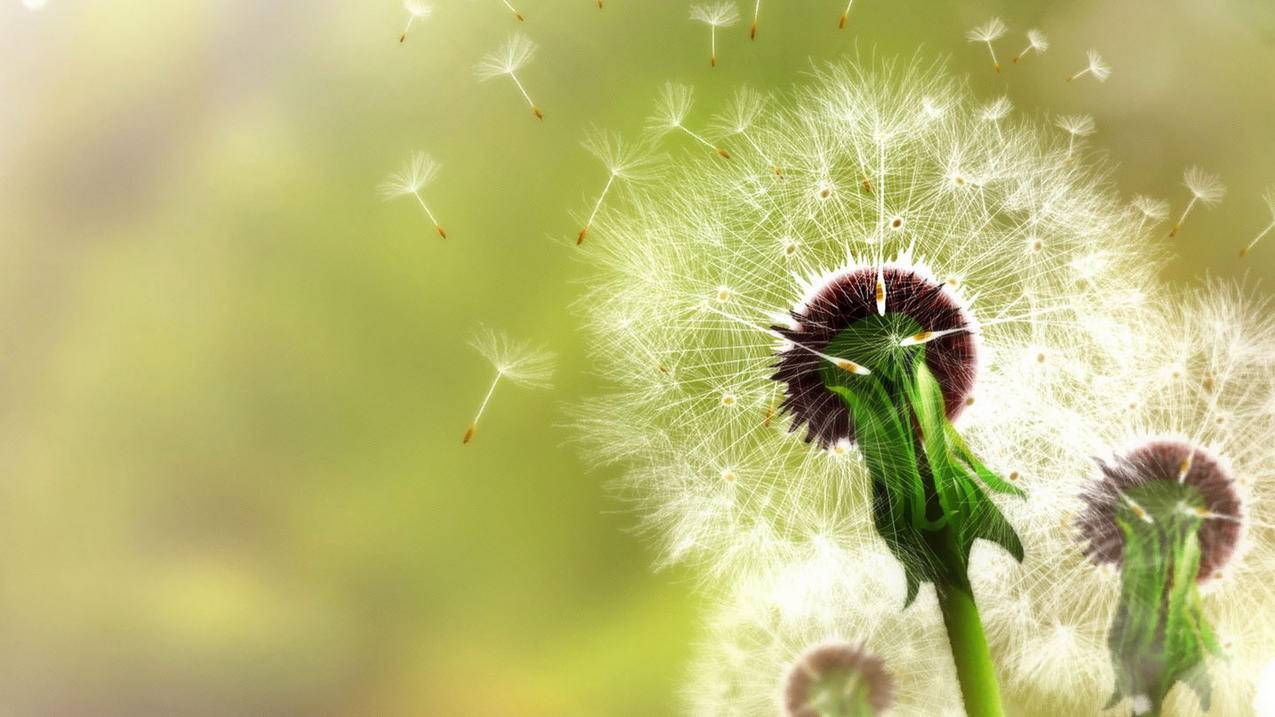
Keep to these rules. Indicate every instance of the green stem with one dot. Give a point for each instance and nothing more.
(973, 659)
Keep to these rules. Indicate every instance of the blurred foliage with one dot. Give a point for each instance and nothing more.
(234, 382)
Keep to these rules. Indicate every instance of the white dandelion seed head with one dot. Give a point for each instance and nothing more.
(1151, 208)
(717, 14)
(1037, 40)
(1075, 125)
(522, 362)
(418, 8)
(989, 31)
(514, 54)
(1205, 186)
(1097, 66)
(766, 627)
(632, 162)
(672, 107)
(1207, 354)
(996, 110)
(419, 171)
(742, 110)
(971, 202)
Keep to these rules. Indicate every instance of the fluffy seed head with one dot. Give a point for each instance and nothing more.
(418, 9)
(1037, 40)
(989, 31)
(513, 55)
(673, 105)
(718, 14)
(416, 174)
(741, 112)
(1097, 66)
(1075, 125)
(1206, 187)
(996, 110)
(624, 160)
(1150, 207)
(519, 361)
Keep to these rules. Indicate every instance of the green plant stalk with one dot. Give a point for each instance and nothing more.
(930, 497)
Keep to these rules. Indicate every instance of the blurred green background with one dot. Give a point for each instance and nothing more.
(234, 381)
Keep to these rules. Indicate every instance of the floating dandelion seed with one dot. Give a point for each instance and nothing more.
(514, 55)
(1075, 126)
(1096, 67)
(715, 15)
(671, 111)
(845, 15)
(1268, 197)
(1206, 356)
(1205, 188)
(1152, 210)
(752, 32)
(417, 174)
(416, 10)
(987, 33)
(995, 111)
(1036, 42)
(741, 113)
(697, 274)
(517, 14)
(624, 163)
(519, 362)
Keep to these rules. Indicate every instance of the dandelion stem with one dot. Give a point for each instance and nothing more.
(973, 658)
(596, 206)
(1258, 238)
(473, 425)
(429, 214)
(712, 35)
(1178, 226)
(534, 109)
(722, 152)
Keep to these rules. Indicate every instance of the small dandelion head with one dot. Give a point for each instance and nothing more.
(513, 55)
(717, 14)
(840, 314)
(838, 678)
(415, 175)
(674, 104)
(1204, 186)
(989, 31)
(1037, 40)
(1098, 67)
(630, 162)
(1075, 125)
(996, 110)
(1135, 478)
(418, 8)
(519, 361)
(1152, 209)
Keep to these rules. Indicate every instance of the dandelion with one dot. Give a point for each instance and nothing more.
(1075, 126)
(417, 174)
(624, 163)
(1152, 210)
(845, 15)
(866, 335)
(520, 362)
(1268, 197)
(514, 55)
(715, 15)
(752, 32)
(1185, 472)
(987, 33)
(1096, 67)
(1036, 42)
(673, 107)
(416, 10)
(741, 113)
(1205, 188)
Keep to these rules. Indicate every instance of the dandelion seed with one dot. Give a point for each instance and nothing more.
(1205, 188)
(715, 15)
(520, 362)
(512, 56)
(1036, 42)
(517, 14)
(1075, 126)
(987, 33)
(1152, 210)
(416, 10)
(624, 163)
(417, 174)
(671, 111)
(752, 32)
(1269, 198)
(845, 15)
(1096, 67)
(995, 111)
(742, 111)
(599, 4)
